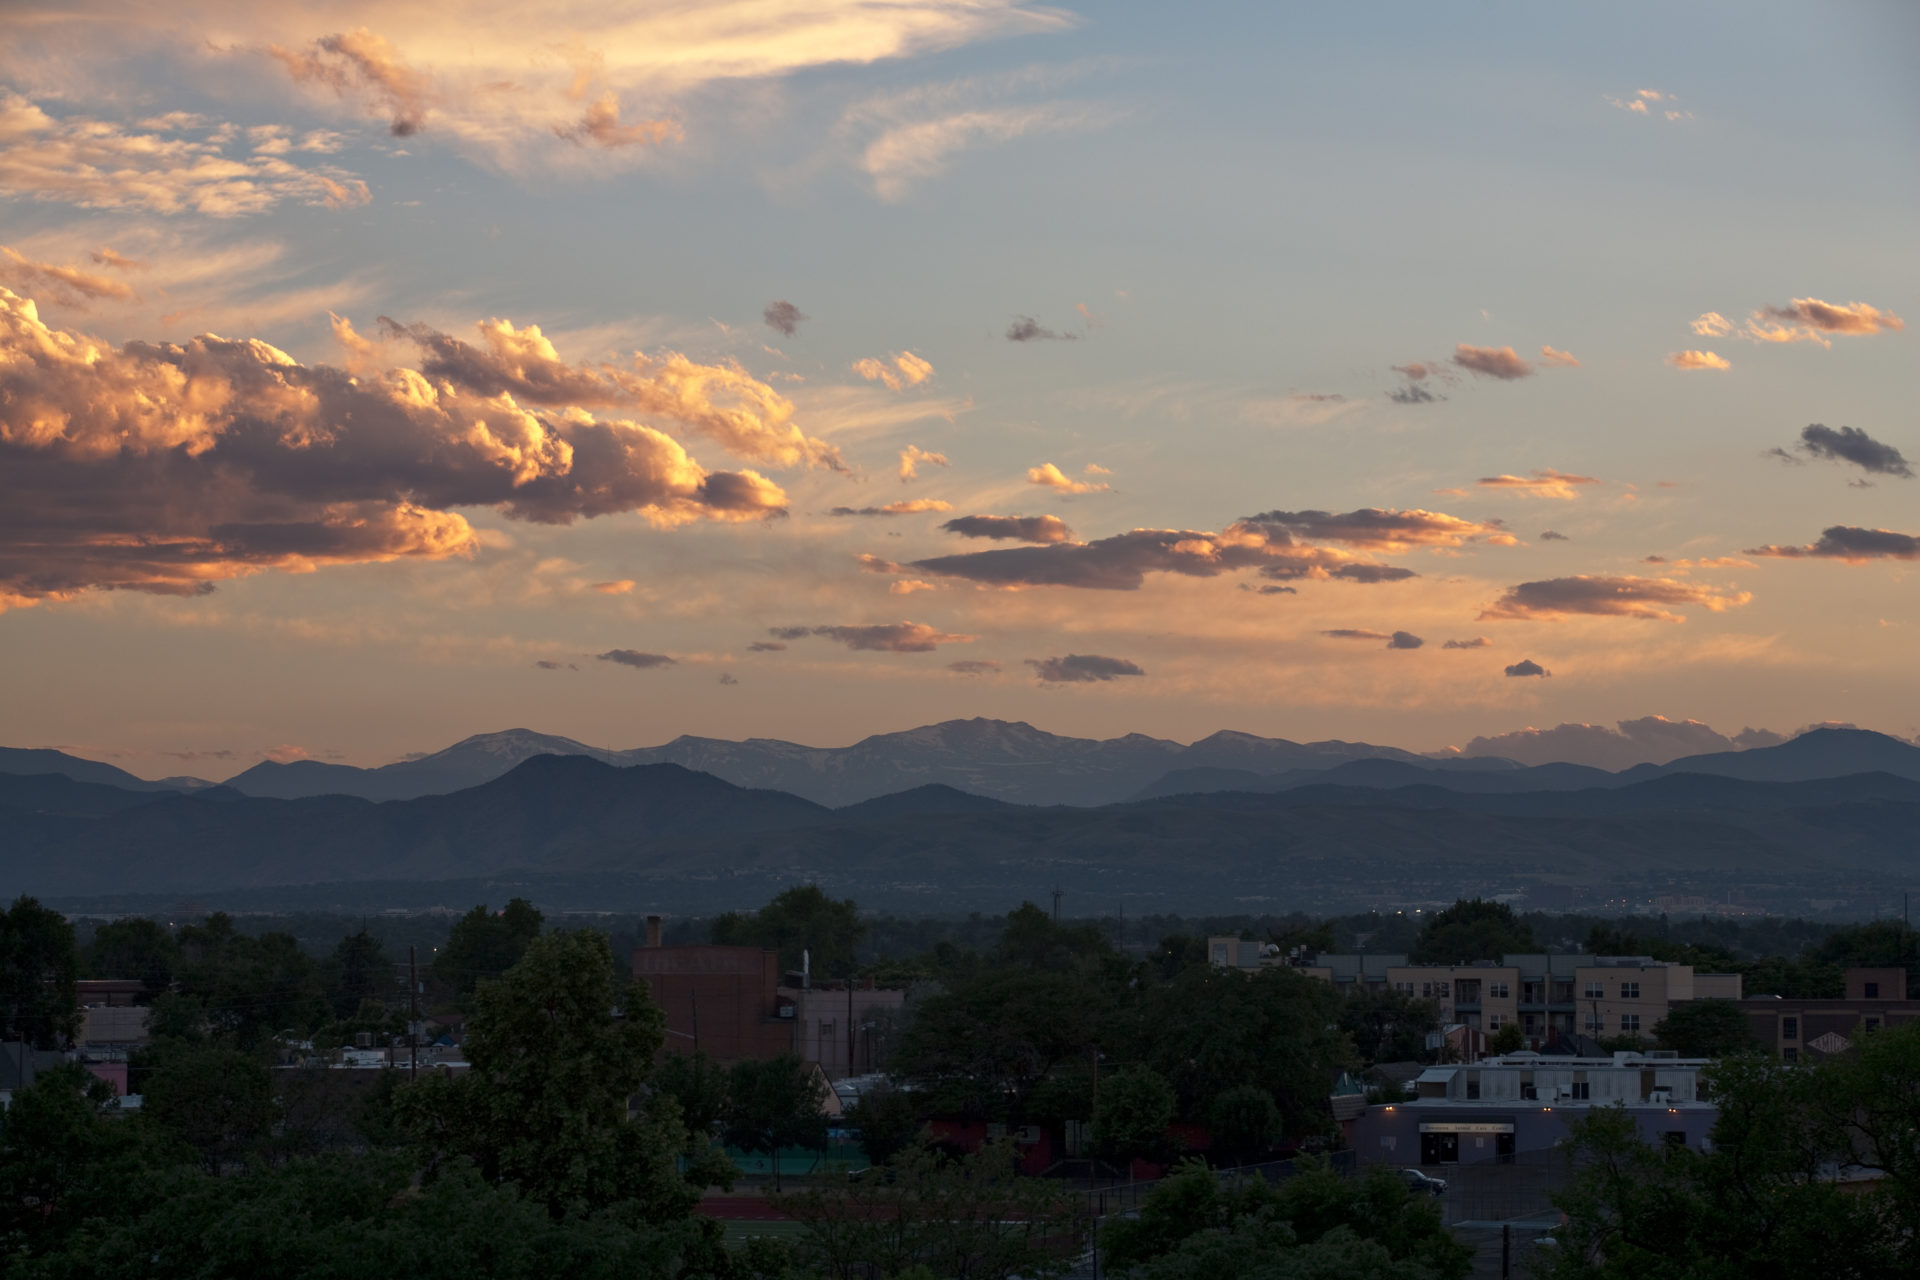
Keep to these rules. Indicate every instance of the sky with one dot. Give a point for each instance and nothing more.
(372, 375)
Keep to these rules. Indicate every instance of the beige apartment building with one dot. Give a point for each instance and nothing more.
(1599, 996)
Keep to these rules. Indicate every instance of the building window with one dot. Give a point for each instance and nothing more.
(1873, 991)
(1791, 1055)
(1473, 1086)
(1630, 1022)
(1595, 991)
(1497, 990)
(1595, 1024)
(1404, 988)
(1443, 989)
(1629, 991)
(1493, 1022)
(1581, 1091)
(1789, 1028)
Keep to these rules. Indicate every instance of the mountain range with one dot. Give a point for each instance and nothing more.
(1793, 820)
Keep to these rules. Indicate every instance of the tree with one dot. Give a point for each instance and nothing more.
(485, 944)
(133, 947)
(774, 1103)
(888, 1121)
(1705, 1029)
(1878, 944)
(39, 1003)
(1315, 1224)
(1388, 1026)
(545, 1103)
(1131, 1117)
(249, 988)
(698, 1084)
(358, 971)
(1507, 1039)
(801, 919)
(217, 1100)
(1210, 1030)
(1471, 930)
(982, 1047)
(1244, 1122)
(970, 1217)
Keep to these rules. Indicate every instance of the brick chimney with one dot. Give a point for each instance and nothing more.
(653, 931)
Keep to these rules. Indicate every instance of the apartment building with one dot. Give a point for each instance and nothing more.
(1547, 995)
(1808, 1030)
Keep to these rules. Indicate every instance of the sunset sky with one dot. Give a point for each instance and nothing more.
(1405, 373)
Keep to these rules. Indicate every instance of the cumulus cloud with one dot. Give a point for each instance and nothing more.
(784, 318)
(913, 455)
(1712, 324)
(1527, 667)
(1852, 445)
(1082, 668)
(881, 637)
(1405, 640)
(1478, 642)
(723, 402)
(1028, 329)
(618, 587)
(1503, 363)
(975, 667)
(1850, 544)
(1699, 360)
(69, 286)
(906, 507)
(1647, 740)
(1851, 318)
(897, 372)
(1558, 359)
(1042, 529)
(1049, 476)
(1609, 596)
(1553, 536)
(175, 164)
(1377, 529)
(637, 659)
(1539, 484)
(166, 468)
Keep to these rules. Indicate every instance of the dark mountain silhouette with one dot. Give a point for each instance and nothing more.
(33, 760)
(930, 800)
(1818, 753)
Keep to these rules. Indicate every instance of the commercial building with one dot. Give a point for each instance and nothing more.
(1523, 1102)
(1547, 995)
(1809, 1030)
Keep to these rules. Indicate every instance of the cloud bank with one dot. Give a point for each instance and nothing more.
(1602, 595)
(1082, 668)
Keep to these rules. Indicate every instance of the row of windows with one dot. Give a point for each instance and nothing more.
(1443, 990)
(1597, 1023)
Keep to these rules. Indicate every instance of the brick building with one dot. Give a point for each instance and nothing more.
(724, 1000)
(1809, 1030)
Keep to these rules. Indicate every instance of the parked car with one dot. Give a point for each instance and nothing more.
(1424, 1183)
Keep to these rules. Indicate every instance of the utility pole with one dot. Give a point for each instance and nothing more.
(849, 1024)
(413, 1015)
(1056, 904)
(693, 1000)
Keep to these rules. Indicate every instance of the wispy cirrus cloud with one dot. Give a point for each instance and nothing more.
(897, 372)
(913, 456)
(174, 164)
(1853, 318)
(1604, 595)
(905, 507)
(71, 286)
(1546, 483)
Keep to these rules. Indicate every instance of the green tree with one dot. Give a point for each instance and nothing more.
(1130, 1119)
(1034, 941)
(800, 919)
(358, 971)
(38, 970)
(545, 1104)
(249, 988)
(698, 1084)
(484, 944)
(133, 947)
(1388, 1026)
(888, 1121)
(1705, 1029)
(1210, 1030)
(982, 1047)
(1507, 1039)
(1471, 930)
(1878, 944)
(971, 1217)
(774, 1103)
(217, 1100)
(1244, 1123)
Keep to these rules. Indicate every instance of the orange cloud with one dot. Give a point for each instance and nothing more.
(360, 60)
(1557, 358)
(881, 637)
(620, 587)
(1039, 529)
(1697, 360)
(1503, 363)
(1051, 477)
(907, 586)
(175, 164)
(1608, 596)
(1540, 484)
(913, 455)
(901, 370)
(740, 413)
(166, 468)
(1851, 544)
(601, 125)
(1828, 317)
(908, 507)
(69, 286)
(1712, 324)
